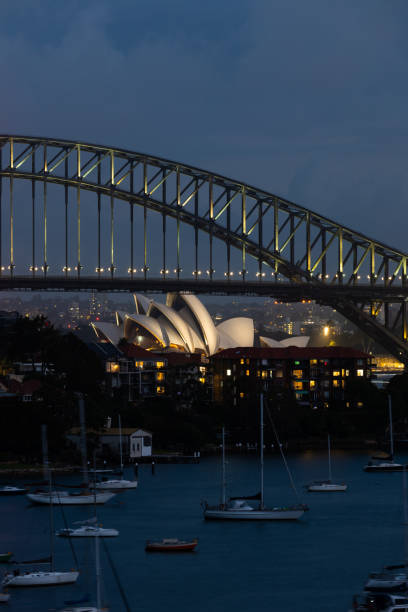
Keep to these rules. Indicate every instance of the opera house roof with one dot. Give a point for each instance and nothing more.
(182, 324)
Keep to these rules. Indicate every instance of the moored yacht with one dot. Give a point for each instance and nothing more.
(327, 486)
(64, 498)
(379, 602)
(240, 509)
(386, 465)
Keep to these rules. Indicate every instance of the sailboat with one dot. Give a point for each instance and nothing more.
(113, 484)
(84, 497)
(327, 486)
(39, 578)
(98, 608)
(240, 509)
(386, 465)
(88, 529)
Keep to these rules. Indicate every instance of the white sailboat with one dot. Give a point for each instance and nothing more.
(240, 509)
(327, 486)
(98, 608)
(88, 530)
(63, 498)
(39, 578)
(82, 498)
(386, 465)
(116, 484)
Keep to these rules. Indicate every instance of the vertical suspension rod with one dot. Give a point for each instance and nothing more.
(66, 217)
(112, 246)
(99, 216)
(33, 214)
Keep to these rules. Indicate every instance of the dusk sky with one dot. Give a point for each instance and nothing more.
(305, 99)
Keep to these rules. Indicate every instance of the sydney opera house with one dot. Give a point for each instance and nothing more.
(182, 324)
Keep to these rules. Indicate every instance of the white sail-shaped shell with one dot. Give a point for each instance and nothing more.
(108, 331)
(142, 303)
(198, 317)
(299, 341)
(149, 329)
(239, 329)
(269, 342)
(157, 311)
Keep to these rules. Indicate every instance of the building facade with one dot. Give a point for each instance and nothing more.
(317, 377)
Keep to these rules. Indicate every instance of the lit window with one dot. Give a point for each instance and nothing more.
(242, 361)
(202, 380)
(264, 374)
(160, 364)
(228, 372)
(297, 385)
(336, 373)
(360, 372)
(160, 376)
(313, 362)
(297, 373)
(112, 367)
(360, 404)
(279, 373)
(312, 384)
(335, 383)
(246, 372)
(139, 364)
(347, 372)
(241, 395)
(159, 390)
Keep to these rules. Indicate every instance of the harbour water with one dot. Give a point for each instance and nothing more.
(311, 565)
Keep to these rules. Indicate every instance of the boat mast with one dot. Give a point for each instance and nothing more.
(261, 504)
(223, 483)
(391, 434)
(404, 488)
(83, 439)
(47, 471)
(120, 445)
(98, 575)
(328, 444)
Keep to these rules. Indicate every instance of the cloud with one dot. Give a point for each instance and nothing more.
(307, 100)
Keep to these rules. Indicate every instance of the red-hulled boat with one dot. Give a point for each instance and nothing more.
(171, 545)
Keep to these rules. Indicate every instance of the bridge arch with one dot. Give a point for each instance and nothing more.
(290, 245)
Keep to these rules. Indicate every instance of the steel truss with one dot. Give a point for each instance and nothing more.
(362, 278)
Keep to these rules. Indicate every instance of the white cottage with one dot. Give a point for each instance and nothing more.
(136, 443)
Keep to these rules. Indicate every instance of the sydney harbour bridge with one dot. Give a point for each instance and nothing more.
(77, 216)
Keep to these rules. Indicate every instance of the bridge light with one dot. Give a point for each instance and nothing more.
(66, 269)
(390, 277)
(327, 275)
(358, 277)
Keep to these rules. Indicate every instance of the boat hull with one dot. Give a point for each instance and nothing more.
(327, 488)
(187, 547)
(115, 485)
(385, 467)
(12, 491)
(40, 579)
(254, 515)
(88, 533)
(70, 500)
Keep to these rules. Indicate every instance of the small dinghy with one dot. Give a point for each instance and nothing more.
(171, 545)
